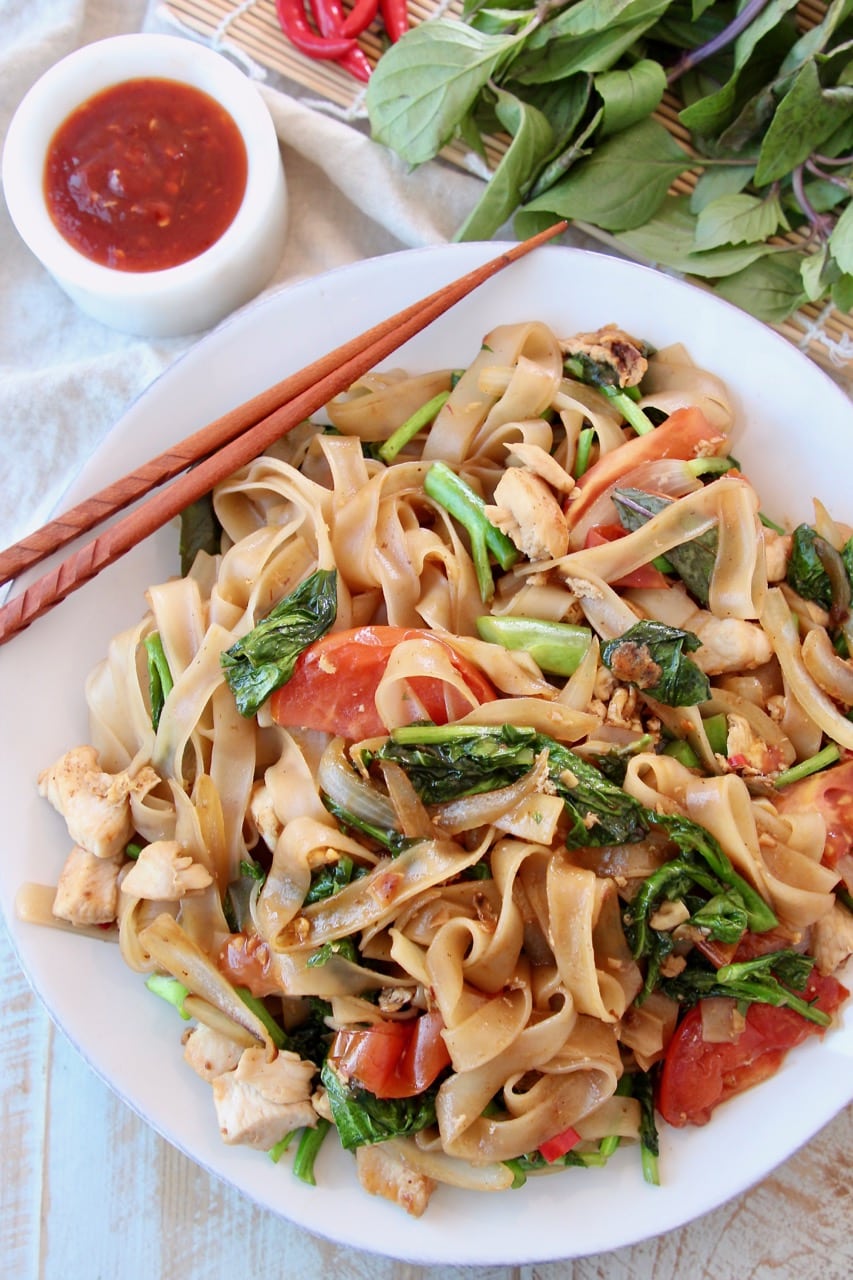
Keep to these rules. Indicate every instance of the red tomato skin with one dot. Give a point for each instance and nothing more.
(392, 1059)
(697, 1077)
(246, 962)
(645, 576)
(831, 793)
(334, 683)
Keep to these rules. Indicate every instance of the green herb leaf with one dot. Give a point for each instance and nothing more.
(264, 659)
(651, 656)
(806, 116)
(669, 239)
(622, 184)
(531, 143)
(362, 1119)
(841, 242)
(806, 573)
(738, 219)
(630, 95)
(693, 561)
(771, 289)
(424, 85)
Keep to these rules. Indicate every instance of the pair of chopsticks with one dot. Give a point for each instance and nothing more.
(214, 453)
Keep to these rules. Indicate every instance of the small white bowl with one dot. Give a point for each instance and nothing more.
(199, 292)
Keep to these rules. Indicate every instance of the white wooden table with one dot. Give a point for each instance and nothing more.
(89, 1192)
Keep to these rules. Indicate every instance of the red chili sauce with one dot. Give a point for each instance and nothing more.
(145, 175)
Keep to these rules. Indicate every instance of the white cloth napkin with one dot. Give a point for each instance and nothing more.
(66, 379)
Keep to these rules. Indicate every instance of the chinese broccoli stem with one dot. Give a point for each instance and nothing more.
(409, 429)
(459, 500)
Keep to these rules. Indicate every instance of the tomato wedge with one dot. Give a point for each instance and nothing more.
(246, 962)
(680, 436)
(392, 1059)
(830, 792)
(698, 1076)
(334, 683)
(644, 576)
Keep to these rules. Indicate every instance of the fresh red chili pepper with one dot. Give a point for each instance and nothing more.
(359, 17)
(555, 1148)
(296, 27)
(329, 16)
(395, 15)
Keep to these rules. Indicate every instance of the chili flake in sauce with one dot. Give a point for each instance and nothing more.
(145, 175)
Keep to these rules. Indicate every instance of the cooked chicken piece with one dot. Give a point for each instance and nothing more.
(383, 1171)
(535, 459)
(259, 1102)
(164, 872)
(263, 814)
(528, 513)
(832, 939)
(777, 552)
(320, 1103)
(748, 751)
(210, 1053)
(728, 644)
(95, 805)
(613, 347)
(87, 892)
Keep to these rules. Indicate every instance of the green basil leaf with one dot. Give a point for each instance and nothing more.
(264, 659)
(651, 656)
(806, 116)
(712, 113)
(557, 59)
(531, 142)
(812, 273)
(842, 293)
(424, 85)
(668, 239)
(841, 241)
(721, 180)
(738, 219)
(623, 182)
(771, 289)
(631, 95)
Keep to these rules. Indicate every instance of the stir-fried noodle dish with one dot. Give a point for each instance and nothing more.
(478, 791)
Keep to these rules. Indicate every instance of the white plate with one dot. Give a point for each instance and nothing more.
(798, 445)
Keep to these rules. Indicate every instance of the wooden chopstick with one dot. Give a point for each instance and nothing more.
(217, 450)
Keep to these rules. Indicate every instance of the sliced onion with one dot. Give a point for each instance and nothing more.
(348, 790)
(833, 673)
(484, 809)
(412, 817)
(722, 1021)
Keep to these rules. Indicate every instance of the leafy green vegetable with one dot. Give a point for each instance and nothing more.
(394, 841)
(574, 87)
(643, 1089)
(651, 656)
(444, 762)
(333, 877)
(770, 979)
(200, 531)
(806, 573)
(693, 561)
(362, 1119)
(264, 659)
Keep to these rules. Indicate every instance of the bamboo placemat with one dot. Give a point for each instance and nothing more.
(249, 30)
